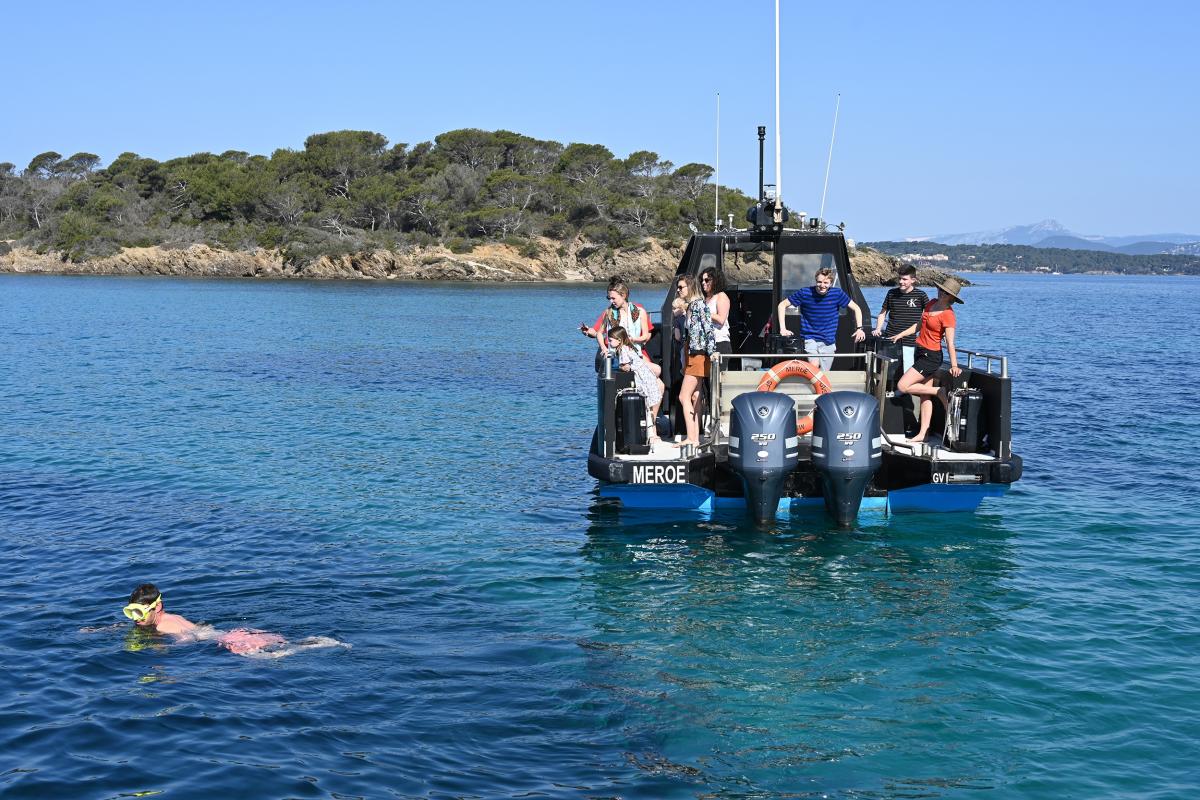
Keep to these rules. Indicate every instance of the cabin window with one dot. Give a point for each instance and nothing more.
(800, 269)
(707, 260)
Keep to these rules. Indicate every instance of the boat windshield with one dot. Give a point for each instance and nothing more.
(800, 269)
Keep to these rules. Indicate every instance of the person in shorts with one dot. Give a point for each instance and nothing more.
(819, 305)
(938, 324)
(902, 307)
(699, 343)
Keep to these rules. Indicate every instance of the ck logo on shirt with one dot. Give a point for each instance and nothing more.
(912, 302)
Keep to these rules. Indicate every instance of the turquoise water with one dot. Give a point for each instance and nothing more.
(402, 467)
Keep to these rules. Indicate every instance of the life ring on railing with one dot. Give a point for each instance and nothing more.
(790, 369)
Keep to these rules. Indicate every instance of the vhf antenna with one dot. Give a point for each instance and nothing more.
(762, 135)
(829, 162)
(778, 216)
(717, 176)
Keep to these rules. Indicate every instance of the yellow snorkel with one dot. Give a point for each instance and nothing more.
(140, 611)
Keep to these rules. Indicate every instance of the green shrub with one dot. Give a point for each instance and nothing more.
(557, 227)
(76, 232)
(271, 237)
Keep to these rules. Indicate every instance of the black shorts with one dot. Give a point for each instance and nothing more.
(927, 362)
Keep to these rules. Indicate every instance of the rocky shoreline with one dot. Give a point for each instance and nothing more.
(573, 261)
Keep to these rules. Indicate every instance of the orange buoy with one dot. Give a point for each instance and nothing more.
(791, 369)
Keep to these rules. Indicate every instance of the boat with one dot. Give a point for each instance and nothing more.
(781, 434)
(753, 453)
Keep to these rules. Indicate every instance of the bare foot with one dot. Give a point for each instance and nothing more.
(916, 439)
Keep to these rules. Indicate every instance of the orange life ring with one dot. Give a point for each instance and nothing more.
(790, 369)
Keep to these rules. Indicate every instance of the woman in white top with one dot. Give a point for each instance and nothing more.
(713, 285)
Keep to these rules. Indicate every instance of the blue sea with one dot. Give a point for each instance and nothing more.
(402, 467)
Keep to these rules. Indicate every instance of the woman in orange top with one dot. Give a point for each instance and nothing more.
(937, 323)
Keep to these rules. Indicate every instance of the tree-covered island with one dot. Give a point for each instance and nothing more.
(471, 204)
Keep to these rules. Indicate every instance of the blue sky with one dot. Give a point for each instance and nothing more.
(954, 117)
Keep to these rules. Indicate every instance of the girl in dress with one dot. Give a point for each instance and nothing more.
(647, 382)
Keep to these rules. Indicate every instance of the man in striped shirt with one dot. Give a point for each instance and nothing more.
(902, 307)
(819, 307)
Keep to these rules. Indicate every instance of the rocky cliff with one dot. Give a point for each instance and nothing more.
(575, 261)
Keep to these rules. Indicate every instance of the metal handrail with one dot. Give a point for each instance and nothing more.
(989, 359)
(789, 356)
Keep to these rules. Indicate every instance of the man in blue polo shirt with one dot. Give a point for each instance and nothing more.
(819, 306)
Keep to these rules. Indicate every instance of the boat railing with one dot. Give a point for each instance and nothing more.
(989, 359)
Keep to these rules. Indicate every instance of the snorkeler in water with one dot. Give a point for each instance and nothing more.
(145, 608)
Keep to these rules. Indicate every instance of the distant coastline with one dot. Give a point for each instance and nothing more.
(547, 261)
(652, 261)
(470, 205)
(1046, 260)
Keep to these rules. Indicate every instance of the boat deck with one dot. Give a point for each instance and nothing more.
(931, 448)
(659, 451)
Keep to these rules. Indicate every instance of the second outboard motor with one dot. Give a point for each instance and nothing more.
(846, 449)
(763, 448)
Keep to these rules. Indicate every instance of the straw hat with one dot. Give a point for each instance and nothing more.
(952, 287)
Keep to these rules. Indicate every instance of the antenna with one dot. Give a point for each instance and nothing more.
(762, 135)
(778, 167)
(829, 162)
(717, 177)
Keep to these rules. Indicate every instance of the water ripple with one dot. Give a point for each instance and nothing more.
(362, 462)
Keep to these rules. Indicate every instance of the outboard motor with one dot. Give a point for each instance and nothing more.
(846, 442)
(763, 448)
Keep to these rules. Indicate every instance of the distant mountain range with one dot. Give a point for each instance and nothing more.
(1049, 233)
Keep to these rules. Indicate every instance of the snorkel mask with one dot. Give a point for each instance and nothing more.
(139, 612)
